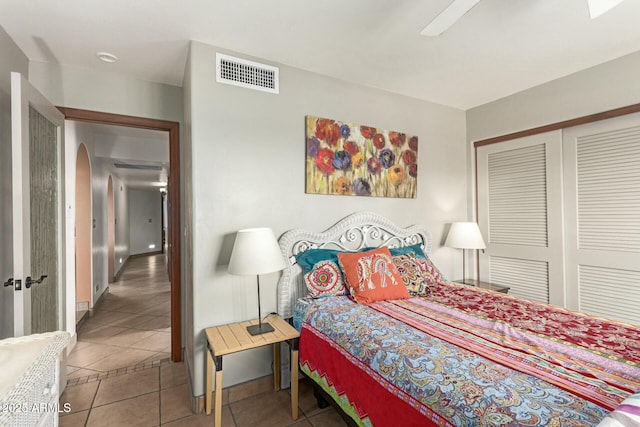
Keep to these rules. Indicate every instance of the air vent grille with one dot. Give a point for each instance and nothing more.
(248, 74)
(139, 167)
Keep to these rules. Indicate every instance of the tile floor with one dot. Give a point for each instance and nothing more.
(120, 372)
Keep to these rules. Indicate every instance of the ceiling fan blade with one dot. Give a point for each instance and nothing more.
(598, 7)
(448, 17)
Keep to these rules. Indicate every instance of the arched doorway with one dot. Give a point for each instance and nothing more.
(111, 231)
(83, 230)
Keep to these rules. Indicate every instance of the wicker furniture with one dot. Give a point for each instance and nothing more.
(29, 379)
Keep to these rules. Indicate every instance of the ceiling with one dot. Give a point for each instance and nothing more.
(138, 157)
(500, 47)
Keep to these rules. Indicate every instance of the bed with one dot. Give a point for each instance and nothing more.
(445, 354)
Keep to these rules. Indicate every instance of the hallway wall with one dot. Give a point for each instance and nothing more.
(145, 221)
(75, 134)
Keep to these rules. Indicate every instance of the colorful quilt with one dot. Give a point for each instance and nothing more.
(464, 356)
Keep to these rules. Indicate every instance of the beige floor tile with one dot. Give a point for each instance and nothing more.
(87, 353)
(157, 341)
(131, 320)
(140, 411)
(129, 337)
(80, 397)
(82, 372)
(160, 310)
(302, 422)
(172, 375)
(329, 418)
(203, 420)
(268, 410)
(175, 403)
(123, 359)
(160, 355)
(157, 323)
(127, 386)
(100, 335)
(77, 419)
(250, 388)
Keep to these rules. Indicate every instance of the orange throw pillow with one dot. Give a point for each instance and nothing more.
(372, 276)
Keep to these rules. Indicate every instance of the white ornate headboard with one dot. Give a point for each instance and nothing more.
(352, 233)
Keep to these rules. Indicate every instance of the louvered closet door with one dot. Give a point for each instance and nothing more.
(602, 207)
(520, 216)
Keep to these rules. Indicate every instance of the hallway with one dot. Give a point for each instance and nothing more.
(121, 365)
(131, 326)
(120, 372)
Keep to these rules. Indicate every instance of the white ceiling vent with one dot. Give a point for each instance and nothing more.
(252, 75)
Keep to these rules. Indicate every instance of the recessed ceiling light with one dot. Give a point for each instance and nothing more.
(107, 57)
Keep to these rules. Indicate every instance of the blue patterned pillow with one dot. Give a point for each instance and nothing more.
(407, 250)
(309, 258)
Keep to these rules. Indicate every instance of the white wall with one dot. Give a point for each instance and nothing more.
(145, 221)
(600, 88)
(121, 215)
(248, 170)
(12, 60)
(75, 87)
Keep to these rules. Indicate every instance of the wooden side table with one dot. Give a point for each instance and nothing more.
(485, 285)
(232, 338)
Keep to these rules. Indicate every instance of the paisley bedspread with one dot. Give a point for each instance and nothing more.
(464, 356)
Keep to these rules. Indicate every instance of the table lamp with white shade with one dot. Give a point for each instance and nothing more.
(464, 235)
(256, 251)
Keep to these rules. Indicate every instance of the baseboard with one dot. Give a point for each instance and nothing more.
(116, 276)
(197, 402)
(99, 301)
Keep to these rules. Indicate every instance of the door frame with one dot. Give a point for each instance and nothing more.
(173, 192)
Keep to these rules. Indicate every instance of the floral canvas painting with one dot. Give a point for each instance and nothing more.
(348, 159)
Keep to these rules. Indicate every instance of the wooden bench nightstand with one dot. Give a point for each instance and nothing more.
(232, 338)
(485, 285)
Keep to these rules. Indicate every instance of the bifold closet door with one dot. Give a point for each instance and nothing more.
(602, 209)
(520, 216)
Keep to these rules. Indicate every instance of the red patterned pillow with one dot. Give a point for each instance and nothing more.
(430, 272)
(412, 273)
(324, 280)
(372, 276)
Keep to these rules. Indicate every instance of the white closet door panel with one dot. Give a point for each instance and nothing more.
(528, 279)
(605, 302)
(518, 196)
(602, 207)
(520, 215)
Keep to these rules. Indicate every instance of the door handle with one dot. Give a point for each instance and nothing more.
(29, 281)
(9, 282)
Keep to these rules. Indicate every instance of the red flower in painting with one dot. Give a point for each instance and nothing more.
(409, 157)
(324, 161)
(351, 147)
(332, 131)
(378, 141)
(413, 170)
(321, 127)
(413, 143)
(367, 131)
(328, 130)
(397, 139)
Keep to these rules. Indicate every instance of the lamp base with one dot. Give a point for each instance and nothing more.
(261, 328)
